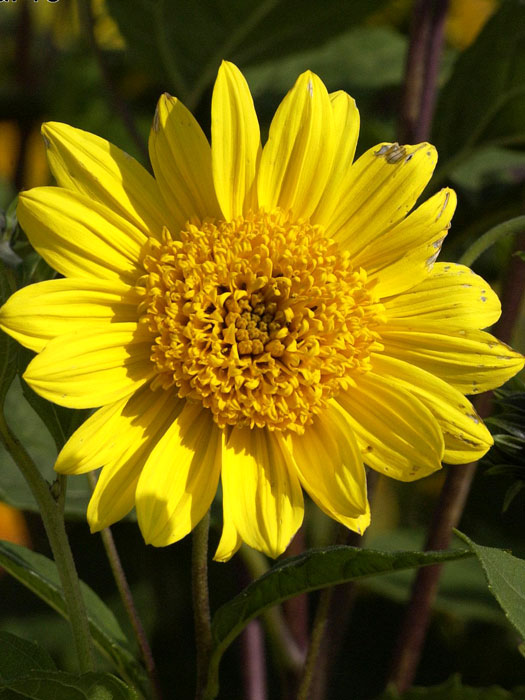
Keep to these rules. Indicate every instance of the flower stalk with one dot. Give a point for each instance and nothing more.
(201, 603)
(51, 510)
(422, 69)
(129, 604)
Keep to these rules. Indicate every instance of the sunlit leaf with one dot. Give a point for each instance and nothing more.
(506, 578)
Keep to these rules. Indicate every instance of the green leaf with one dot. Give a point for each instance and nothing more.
(33, 435)
(506, 578)
(39, 574)
(453, 689)
(365, 57)
(57, 685)
(488, 81)
(317, 568)
(191, 42)
(18, 656)
(61, 422)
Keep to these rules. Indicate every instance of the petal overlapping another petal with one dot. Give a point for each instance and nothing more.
(92, 367)
(404, 255)
(40, 312)
(297, 159)
(339, 485)
(397, 434)
(90, 165)
(346, 132)
(263, 496)
(465, 435)
(472, 361)
(79, 237)
(378, 191)
(181, 158)
(180, 477)
(451, 298)
(115, 492)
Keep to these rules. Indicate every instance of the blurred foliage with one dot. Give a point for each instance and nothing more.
(101, 66)
(508, 428)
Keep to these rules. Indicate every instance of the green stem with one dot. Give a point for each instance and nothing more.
(484, 242)
(316, 637)
(52, 515)
(201, 603)
(129, 604)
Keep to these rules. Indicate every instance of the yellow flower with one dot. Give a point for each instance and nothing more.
(270, 317)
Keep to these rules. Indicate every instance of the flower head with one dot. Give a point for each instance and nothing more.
(273, 317)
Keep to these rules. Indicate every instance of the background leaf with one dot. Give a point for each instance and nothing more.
(484, 99)
(453, 689)
(244, 31)
(39, 574)
(57, 685)
(18, 656)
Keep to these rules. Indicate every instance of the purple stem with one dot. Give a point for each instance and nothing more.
(253, 662)
(450, 506)
(421, 70)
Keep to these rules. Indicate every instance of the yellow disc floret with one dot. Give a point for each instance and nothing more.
(262, 319)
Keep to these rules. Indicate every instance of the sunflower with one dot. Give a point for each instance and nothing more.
(271, 318)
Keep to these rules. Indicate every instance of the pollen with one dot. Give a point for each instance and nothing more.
(263, 319)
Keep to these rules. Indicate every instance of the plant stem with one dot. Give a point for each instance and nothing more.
(450, 506)
(53, 519)
(253, 666)
(201, 603)
(421, 70)
(484, 242)
(128, 602)
(316, 637)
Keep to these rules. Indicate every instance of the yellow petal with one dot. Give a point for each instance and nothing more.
(451, 298)
(264, 497)
(396, 432)
(114, 430)
(79, 237)
(466, 437)
(403, 256)
(297, 160)
(470, 360)
(346, 131)
(92, 166)
(181, 159)
(180, 478)
(114, 494)
(92, 367)
(378, 191)
(330, 466)
(230, 540)
(40, 312)
(236, 142)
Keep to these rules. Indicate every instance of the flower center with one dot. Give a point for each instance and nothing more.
(262, 319)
